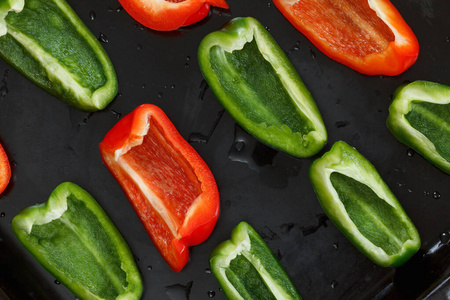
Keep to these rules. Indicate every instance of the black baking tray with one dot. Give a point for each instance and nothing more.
(49, 142)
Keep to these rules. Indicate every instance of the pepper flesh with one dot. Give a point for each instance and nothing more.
(5, 170)
(73, 239)
(369, 36)
(257, 84)
(47, 43)
(361, 205)
(169, 186)
(246, 268)
(169, 15)
(419, 116)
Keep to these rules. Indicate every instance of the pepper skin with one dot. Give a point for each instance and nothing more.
(361, 205)
(369, 36)
(72, 238)
(169, 186)
(246, 268)
(256, 83)
(419, 116)
(5, 170)
(46, 42)
(169, 15)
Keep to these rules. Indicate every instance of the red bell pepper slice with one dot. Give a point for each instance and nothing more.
(5, 170)
(165, 15)
(168, 184)
(369, 36)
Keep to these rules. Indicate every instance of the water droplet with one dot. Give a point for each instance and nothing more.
(143, 86)
(4, 88)
(119, 95)
(381, 76)
(92, 15)
(211, 294)
(313, 54)
(336, 246)
(267, 28)
(103, 38)
(186, 65)
(178, 291)
(172, 86)
(286, 228)
(295, 48)
(410, 191)
(410, 152)
(340, 124)
(228, 203)
(269, 4)
(2, 214)
(356, 136)
(203, 88)
(208, 271)
(436, 195)
(334, 284)
(322, 221)
(447, 39)
(188, 58)
(444, 237)
(239, 145)
(119, 9)
(426, 193)
(165, 86)
(149, 268)
(139, 46)
(160, 95)
(202, 138)
(57, 282)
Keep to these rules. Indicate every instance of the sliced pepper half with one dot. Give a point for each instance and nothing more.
(165, 15)
(72, 238)
(5, 170)
(47, 42)
(168, 184)
(361, 205)
(369, 36)
(419, 116)
(246, 268)
(257, 84)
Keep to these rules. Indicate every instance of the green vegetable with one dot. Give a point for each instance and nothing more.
(361, 205)
(257, 84)
(73, 238)
(419, 116)
(47, 42)
(247, 269)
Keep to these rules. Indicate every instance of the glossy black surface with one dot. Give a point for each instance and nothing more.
(49, 142)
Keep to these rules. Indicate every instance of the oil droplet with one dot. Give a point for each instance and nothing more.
(2, 214)
(444, 237)
(160, 95)
(92, 15)
(410, 152)
(103, 38)
(208, 271)
(149, 268)
(211, 294)
(57, 282)
(436, 195)
(178, 291)
(334, 284)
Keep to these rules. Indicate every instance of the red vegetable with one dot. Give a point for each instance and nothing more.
(369, 36)
(168, 184)
(5, 170)
(165, 15)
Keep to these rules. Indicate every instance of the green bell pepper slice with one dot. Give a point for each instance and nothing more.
(419, 117)
(256, 83)
(72, 238)
(358, 201)
(247, 269)
(46, 42)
